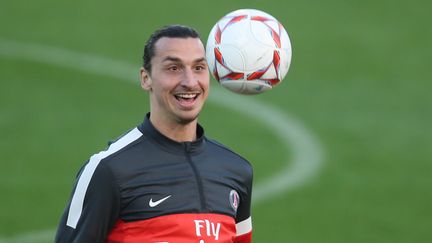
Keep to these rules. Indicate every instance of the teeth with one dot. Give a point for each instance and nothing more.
(186, 96)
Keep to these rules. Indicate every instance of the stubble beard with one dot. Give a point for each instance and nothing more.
(182, 120)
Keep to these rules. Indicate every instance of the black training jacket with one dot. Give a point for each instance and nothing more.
(146, 187)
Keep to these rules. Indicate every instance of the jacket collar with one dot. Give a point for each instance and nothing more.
(170, 145)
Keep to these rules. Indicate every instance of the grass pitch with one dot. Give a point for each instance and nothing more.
(359, 81)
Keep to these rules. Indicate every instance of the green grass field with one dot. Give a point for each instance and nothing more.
(359, 84)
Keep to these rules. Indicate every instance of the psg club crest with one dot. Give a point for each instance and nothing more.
(234, 200)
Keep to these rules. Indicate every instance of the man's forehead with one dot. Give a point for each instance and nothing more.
(174, 47)
(178, 39)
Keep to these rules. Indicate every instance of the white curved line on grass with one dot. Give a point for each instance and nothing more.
(307, 153)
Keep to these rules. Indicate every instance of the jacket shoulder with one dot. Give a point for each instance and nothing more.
(219, 146)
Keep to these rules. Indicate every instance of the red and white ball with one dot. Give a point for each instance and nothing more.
(248, 51)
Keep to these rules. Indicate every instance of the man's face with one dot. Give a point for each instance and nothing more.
(179, 79)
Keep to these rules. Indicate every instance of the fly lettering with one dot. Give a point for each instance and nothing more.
(207, 228)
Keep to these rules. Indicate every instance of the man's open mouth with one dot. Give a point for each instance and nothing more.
(186, 96)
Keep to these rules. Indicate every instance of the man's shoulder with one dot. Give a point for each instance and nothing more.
(119, 148)
(222, 149)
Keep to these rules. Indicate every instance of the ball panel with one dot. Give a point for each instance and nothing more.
(256, 57)
(221, 70)
(247, 87)
(232, 58)
(285, 61)
(274, 25)
(237, 33)
(262, 34)
(210, 57)
(270, 73)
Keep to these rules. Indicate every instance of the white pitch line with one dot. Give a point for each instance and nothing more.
(307, 153)
(41, 236)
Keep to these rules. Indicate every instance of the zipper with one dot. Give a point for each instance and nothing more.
(197, 175)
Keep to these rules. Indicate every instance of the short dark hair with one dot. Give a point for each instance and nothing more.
(171, 31)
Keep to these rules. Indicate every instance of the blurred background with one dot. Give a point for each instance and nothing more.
(358, 86)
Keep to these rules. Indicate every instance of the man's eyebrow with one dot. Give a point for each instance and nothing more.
(176, 59)
(202, 59)
(172, 59)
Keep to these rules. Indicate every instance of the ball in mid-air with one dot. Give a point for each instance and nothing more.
(248, 51)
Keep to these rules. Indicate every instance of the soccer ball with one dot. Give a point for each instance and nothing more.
(248, 51)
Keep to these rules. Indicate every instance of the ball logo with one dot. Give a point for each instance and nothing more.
(234, 200)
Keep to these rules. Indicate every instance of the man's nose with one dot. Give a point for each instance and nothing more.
(189, 78)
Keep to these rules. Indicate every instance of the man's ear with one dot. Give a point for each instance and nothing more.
(145, 79)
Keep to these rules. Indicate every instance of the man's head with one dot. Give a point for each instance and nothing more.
(175, 74)
(171, 31)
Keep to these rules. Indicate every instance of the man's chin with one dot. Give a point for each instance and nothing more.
(187, 118)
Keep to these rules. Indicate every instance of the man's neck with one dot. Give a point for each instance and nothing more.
(174, 130)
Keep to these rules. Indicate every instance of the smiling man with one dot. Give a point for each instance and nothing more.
(178, 82)
(164, 181)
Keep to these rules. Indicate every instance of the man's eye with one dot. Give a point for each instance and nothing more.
(199, 68)
(173, 68)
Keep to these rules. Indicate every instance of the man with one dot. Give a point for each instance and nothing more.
(164, 181)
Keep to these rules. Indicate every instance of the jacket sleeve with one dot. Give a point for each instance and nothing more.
(244, 218)
(93, 208)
